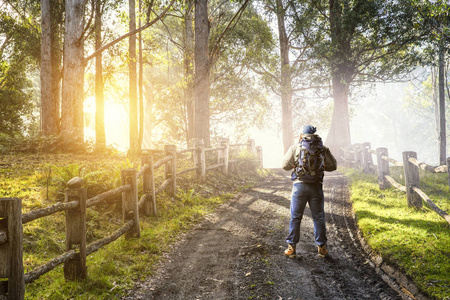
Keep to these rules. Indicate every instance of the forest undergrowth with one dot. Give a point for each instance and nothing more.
(40, 180)
(417, 241)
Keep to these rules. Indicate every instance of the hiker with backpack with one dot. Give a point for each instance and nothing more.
(308, 159)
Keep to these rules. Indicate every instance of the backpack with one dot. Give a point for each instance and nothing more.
(309, 162)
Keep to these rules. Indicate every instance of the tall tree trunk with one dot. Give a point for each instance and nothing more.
(73, 83)
(49, 105)
(134, 147)
(201, 76)
(141, 80)
(441, 123)
(57, 59)
(100, 138)
(339, 134)
(189, 69)
(435, 97)
(286, 83)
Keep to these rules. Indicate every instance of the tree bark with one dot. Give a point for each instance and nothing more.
(140, 83)
(100, 138)
(201, 76)
(134, 147)
(286, 83)
(57, 7)
(73, 83)
(339, 134)
(441, 120)
(49, 103)
(189, 70)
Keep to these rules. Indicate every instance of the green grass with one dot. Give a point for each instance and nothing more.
(118, 266)
(416, 241)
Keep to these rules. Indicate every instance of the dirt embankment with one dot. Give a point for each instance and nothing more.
(237, 253)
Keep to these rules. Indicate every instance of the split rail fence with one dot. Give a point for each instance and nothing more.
(76, 204)
(360, 156)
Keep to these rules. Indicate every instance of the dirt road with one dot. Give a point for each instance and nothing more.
(237, 253)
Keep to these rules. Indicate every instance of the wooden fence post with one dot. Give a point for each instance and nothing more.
(171, 168)
(224, 156)
(75, 268)
(383, 168)
(259, 154)
(448, 171)
(200, 159)
(130, 206)
(350, 156)
(148, 185)
(358, 155)
(251, 146)
(345, 155)
(367, 158)
(411, 179)
(11, 251)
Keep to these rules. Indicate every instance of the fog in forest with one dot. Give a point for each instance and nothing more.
(397, 116)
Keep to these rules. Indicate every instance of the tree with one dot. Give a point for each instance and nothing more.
(286, 84)
(100, 136)
(204, 59)
(51, 20)
(434, 21)
(19, 52)
(359, 41)
(189, 69)
(236, 96)
(72, 123)
(201, 69)
(134, 136)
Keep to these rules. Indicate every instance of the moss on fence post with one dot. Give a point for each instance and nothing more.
(130, 206)
(148, 185)
(11, 252)
(75, 268)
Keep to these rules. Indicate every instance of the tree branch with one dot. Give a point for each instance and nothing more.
(265, 73)
(89, 57)
(238, 14)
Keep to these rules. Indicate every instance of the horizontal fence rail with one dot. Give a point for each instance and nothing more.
(359, 156)
(76, 204)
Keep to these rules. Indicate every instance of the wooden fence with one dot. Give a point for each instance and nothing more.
(76, 204)
(360, 156)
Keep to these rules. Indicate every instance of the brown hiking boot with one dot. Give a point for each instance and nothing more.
(290, 251)
(322, 250)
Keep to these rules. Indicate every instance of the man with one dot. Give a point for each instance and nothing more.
(308, 159)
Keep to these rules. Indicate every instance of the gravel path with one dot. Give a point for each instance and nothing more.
(237, 253)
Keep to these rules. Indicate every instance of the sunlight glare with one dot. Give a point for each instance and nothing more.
(116, 124)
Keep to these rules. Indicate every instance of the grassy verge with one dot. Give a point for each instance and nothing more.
(416, 241)
(117, 267)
